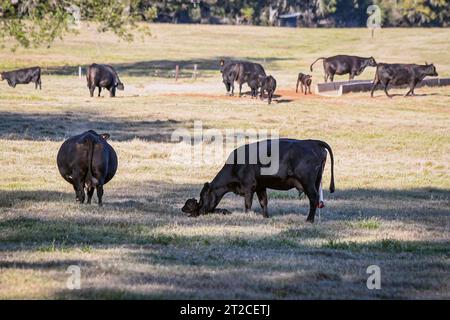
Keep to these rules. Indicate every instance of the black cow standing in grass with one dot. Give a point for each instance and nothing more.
(87, 160)
(103, 76)
(300, 165)
(23, 76)
(240, 72)
(402, 74)
(304, 80)
(269, 84)
(343, 64)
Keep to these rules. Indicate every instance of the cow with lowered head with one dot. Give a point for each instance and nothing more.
(240, 72)
(23, 76)
(88, 162)
(103, 76)
(343, 64)
(401, 74)
(293, 163)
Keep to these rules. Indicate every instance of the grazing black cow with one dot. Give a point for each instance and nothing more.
(23, 76)
(300, 165)
(304, 80)
(402, 74)
(103, 76)
(269, 84)
(343, 64)
(240, 72)
(87, 160)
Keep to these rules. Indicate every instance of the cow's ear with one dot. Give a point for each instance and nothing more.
(222, 62)
(206, 185)
(105, 136)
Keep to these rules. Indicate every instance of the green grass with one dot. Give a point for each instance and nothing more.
(391, 206)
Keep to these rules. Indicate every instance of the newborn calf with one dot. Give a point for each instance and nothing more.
(304, 80)
(192, 208)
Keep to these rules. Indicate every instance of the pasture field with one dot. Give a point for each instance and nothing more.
(391, 207)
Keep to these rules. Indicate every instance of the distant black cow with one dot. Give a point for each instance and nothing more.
(23, 76)
(240, 72)
(269, 84)
(87, 160)
(343, 64)
(255, 82)
(304, 80)
(300, 165)
(103, 76)
(401, 74)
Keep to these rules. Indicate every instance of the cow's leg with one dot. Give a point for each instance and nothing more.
(309, 87)
(79, 188)
(262, 197)
(331, 77)
(99, 91)
(91, 91)
(90, 193)
(411, 89)
(112, 92)
(248, 200)
(240, 89)
(385, 89)
(232, 88)
(270, 96)
(301, 87)
(100, 194)
(375, 83)
(313, 196)
(35, 85)
(40, 84)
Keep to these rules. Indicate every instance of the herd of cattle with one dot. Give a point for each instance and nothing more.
(88, 161)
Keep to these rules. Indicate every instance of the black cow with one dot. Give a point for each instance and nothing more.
(103, 76)
(240, 72)
(87, 160)
(255, 82)
(343, 64)
(304, 80)
(23, 76)
(269, 84)
(402, 74)
(301, 165)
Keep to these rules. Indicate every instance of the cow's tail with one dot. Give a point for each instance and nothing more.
(298, 81)
(326, 146)
(90, 180)
(311, 66)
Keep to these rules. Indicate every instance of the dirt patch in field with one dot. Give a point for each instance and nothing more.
(281, 96)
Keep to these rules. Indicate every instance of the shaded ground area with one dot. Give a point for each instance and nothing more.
(165, 68)
(45, 126)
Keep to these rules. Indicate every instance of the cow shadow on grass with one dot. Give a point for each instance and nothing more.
(133, 215)
(165, 68)
(56, 127)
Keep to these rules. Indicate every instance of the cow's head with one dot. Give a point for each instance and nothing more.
(207, 199)
(431, 70)
(371, 62)
(120, 86)
(191, 207)
(222, 62)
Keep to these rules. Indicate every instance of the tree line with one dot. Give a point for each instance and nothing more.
(39, 22)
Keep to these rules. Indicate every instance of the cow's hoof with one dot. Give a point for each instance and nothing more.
(310, 220)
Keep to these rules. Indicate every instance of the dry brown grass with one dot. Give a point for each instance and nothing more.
(391, 207)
